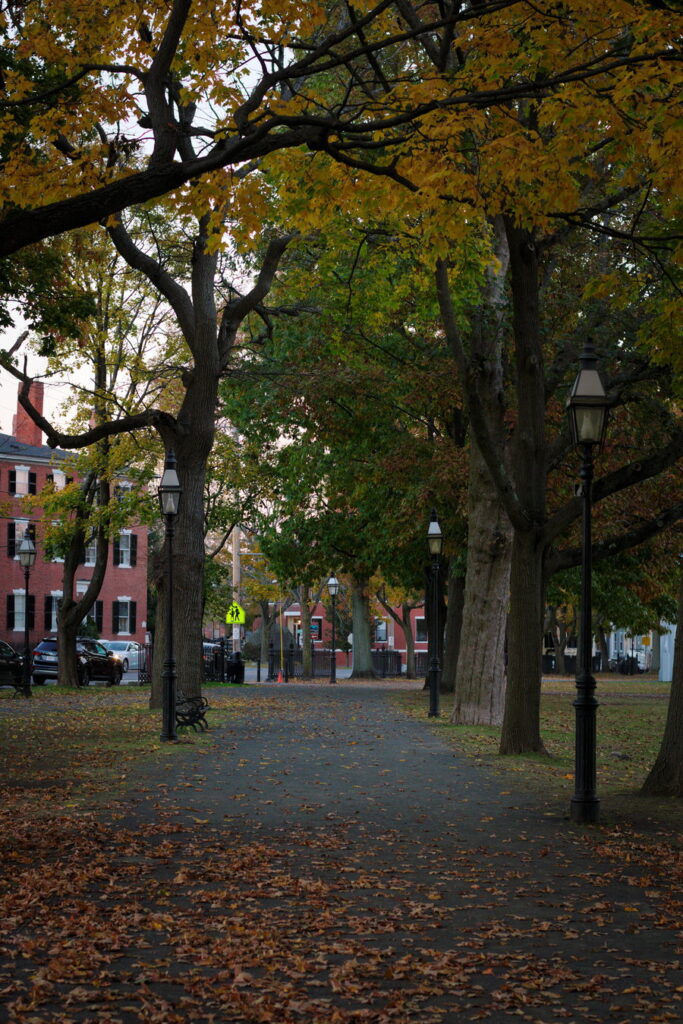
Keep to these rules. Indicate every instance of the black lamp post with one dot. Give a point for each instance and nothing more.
(169, 501)
(587, 408)
(27, 559)
(333, 587)
(435, 542)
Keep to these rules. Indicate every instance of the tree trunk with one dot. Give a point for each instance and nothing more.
(192, 449)
(66, 651)
(604, 650)
(306, 647)
(560, 641)
(666, 775)
(409, 638)
(71, 612)
(480, 676)
(454, 615)
(362, 653)
(521, 720)
(521, 732)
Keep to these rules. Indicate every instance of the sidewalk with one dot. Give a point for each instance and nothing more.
(330, 861)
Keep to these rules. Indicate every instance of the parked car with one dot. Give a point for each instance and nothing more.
(129, 652)
(11, 666)
(93, 659)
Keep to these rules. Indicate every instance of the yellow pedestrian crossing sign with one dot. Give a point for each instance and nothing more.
(236, 614)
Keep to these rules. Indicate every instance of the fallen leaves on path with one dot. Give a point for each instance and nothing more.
(179, 917)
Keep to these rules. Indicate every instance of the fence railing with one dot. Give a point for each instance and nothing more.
(289, 664)
(214, 664)
(386, 662)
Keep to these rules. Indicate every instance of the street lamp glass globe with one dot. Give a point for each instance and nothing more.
(587, 404)
(434, 536)
(333, 585)
(169, 489)
(27, 552)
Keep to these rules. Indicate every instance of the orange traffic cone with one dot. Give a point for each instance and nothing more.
(279, 676)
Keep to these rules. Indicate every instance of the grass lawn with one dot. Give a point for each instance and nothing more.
(630, 725)
(63, 748)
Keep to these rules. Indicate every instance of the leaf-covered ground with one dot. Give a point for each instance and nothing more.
(320, 857)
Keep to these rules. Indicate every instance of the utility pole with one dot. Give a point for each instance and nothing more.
(236, 584)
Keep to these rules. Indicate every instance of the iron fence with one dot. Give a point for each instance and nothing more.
(386, 662)
(214, 664)
(421, 663)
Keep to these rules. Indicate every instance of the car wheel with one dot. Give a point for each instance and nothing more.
(38, 682)
(117, 677)
(125, 664)
(84, 677)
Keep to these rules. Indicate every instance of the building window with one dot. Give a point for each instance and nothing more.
(381, 631)
(16, 608)
(96, 613)
(15, 535)
(123, 616)
(90, 552)
(316, 629)
(58, 478)
(126, 549)
(22, 480)
(51, 609)
(421, 631)
(51, 548)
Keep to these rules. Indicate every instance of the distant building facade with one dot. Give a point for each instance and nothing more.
(26, 467)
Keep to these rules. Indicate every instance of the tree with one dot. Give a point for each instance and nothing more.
(666, 775)
(84, 88)
(584, 157)
(390, 600)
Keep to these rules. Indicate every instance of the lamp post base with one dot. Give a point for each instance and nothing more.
(585, 811)
(168, 722)
(434, 674)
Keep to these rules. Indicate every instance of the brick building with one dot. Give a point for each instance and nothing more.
(26, 466)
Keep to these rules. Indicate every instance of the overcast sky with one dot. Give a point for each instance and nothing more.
(55, 394)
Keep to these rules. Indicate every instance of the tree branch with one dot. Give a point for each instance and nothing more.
(649, 465)
(236, 311)
(570, 557)
(161, 279)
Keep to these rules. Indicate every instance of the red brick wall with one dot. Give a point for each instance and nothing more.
(120, 581)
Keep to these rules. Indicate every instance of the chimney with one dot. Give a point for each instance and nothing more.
(23, 427)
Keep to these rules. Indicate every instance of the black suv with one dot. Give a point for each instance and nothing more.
(94, 662)
(11, 666)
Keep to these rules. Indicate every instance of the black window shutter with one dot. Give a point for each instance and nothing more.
(31, 611)
(133, 550)
(31, 483)
(99, 615)
(47, 624)
(10, 611)
(117, 551)
(115, 617)
(11, 539)
(132, 609)
(13, 481)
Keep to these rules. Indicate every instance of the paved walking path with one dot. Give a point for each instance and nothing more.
(330, 860)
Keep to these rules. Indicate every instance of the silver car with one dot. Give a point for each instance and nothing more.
(129, 652)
